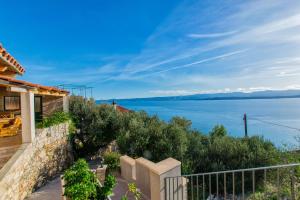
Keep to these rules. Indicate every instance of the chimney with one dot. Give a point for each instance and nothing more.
(114, 104)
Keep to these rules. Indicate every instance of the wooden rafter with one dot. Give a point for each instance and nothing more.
(9, 61)
(3, 68)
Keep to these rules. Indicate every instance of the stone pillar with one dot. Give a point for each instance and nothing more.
(150, 177)
(100, 173)
(166, 168)
(28, 119)
(66, 103)
(128, 171)
(143, 167)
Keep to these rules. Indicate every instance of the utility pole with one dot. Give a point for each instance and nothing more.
(245, 125)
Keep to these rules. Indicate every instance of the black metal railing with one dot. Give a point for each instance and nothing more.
(273, 182)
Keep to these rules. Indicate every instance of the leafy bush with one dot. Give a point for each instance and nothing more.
(107, 189)
(54, 119)
(133, 190)
(97, 125)
(82, 183)
(139, 134)
(147, 136)
(112, 159)
(270, 192)
(152, 138)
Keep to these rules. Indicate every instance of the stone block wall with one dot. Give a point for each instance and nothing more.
(35, 163)
(128, 168)
(150, 177)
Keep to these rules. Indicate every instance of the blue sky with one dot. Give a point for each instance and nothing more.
(156, 48)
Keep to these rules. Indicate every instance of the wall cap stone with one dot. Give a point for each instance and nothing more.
(165, 166)
(128, 160)
(18, 155)
(145, 162)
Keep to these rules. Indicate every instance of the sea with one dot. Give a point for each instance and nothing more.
(277, 120)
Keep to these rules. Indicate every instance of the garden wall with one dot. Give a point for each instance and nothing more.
(150, 177)
(35, 163)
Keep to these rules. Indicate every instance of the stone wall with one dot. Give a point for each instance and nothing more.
(150, 177)
(35, 163)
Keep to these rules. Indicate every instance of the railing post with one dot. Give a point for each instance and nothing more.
(165, 180)
(177, 187)
(233, 186)
(197, 187)
(225, 194)
(173, 187)
(293, 184)
(278, 184)
(243, 185)
(192, 187)
(203, 186)
(209, 185)
(217, 180)
(253, 181)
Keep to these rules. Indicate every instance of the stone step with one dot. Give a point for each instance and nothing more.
(6, 153)
(9, 149)
(3, 161)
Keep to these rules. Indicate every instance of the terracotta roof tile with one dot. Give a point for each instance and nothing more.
(49, 88)
(11, 60)
(122, 109)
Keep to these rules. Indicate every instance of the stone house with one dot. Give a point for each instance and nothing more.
(22, 104)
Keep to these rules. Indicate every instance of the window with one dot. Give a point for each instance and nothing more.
(11, 103)
(38, 104)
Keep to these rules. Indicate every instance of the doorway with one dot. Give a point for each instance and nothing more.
(38, 108)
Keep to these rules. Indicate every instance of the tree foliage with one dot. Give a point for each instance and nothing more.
(97, 125)
(54, 119)
(139, 134)
(150, 137)
(82, 184)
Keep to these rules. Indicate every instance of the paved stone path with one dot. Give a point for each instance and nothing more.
(120, 190)
(51, 191)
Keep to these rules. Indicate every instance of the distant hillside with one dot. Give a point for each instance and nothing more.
(270, 94)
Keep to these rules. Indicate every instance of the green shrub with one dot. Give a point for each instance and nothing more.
(82, 183)
(132, 189)
(149, 137)
(140, 135)
(270, 192)
(112, 159)
(107, 189)
(54, 119)
(97, 125)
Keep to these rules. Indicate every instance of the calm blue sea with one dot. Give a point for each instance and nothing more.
(205, 114)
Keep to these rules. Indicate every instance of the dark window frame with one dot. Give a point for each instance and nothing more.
(38, 115)
(4, 104)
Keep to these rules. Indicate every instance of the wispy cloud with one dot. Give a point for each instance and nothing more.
(271, 41)
(201, 61)
(210, 35)
(240, 45)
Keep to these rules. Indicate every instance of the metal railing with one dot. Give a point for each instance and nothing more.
(273, 182)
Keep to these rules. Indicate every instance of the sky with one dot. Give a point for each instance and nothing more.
(139, 48)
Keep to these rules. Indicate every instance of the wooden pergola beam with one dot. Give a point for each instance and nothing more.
(3, 68)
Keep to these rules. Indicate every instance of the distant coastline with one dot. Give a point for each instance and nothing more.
(269, 94)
